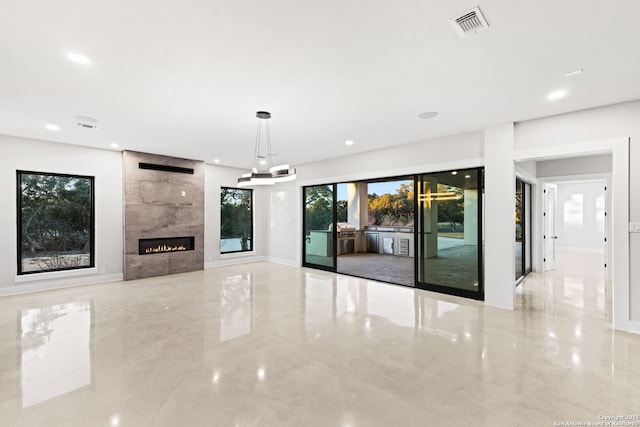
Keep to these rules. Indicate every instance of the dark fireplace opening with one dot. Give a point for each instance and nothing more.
(165, 244)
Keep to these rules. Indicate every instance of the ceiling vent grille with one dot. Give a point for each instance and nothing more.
(87, 125)
(86, 122)
(469, 22)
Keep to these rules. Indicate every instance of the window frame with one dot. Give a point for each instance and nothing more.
(251, 225)
(92, 222)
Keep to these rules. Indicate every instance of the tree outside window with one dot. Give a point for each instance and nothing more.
(391, 209)
(55, 222)
(236, 220)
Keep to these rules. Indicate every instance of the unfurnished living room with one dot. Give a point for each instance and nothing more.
(319, 214)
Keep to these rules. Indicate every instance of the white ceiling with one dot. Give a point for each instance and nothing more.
(185, 77)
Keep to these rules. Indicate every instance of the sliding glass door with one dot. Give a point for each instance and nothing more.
(376, 229)
(449, 232)
(519, 244)
(423, 230)
(523, 229)
(528, 230)
(319, 245)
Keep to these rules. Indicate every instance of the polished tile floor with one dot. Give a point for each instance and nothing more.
(269, 345)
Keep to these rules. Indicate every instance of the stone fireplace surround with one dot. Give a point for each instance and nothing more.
(163, 198)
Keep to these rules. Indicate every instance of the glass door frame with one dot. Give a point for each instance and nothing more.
(418, 237)
(528, 229)
(419, 242)
(526, 202)
(334, 231)
(386, 179)
(520, 187)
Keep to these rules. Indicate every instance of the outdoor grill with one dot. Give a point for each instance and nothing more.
(346, 238)
(345, 230)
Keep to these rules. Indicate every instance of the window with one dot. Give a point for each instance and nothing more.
(236, 220)
(55, 222)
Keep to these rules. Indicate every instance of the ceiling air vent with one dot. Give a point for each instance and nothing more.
(87, 122)
(469, 22)
(87, 125)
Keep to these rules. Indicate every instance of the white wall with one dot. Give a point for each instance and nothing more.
(574, 166)
(284, 229)
(527, 170)
(499, 209)
(426, 156)
(580, 215)
(619, 120)
(41, 156)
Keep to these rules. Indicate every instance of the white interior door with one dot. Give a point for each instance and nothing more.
(608, 234)
(549, 237)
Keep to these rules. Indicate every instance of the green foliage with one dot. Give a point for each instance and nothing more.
(235, 215)
(342, 210)
(318, 207)
(519, 210)
(59, 262)
(56, 217)
(392, 209)
(395, 209)
(451, 211)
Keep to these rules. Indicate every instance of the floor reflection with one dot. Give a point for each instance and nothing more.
(329, 295)
(56, 351)
(236, 307)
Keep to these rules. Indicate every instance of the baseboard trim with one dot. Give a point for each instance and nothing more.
(634, 327)
(234, 261)
(67, 282)
(283, 261)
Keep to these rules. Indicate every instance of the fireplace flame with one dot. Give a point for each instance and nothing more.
(165, 248)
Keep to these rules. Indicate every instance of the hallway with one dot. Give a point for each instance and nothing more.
(575, 288)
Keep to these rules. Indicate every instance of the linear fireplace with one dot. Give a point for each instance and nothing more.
(165, 244)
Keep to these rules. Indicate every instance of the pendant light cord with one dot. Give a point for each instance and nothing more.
(256, 151)
(269, 146)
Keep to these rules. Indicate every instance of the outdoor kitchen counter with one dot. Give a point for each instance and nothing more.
(389, 240)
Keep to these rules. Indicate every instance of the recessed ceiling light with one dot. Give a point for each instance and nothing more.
(53, 127)
(114, 145)
(574, 72)
(78, 59)
(216, 160)
(349, 142)
(427, 115)
(557, 95)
